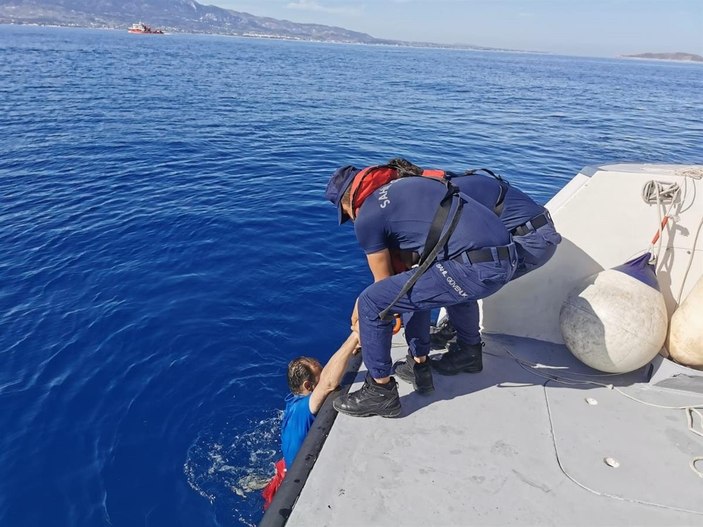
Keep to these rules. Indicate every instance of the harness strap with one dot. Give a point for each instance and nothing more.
(404, 167)
(504, 185)
(440, 218)
(532, 225)
(428, 258)
(500, 203)
(487, 254)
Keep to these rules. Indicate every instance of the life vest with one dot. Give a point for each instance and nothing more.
(370, 179)
(270, 490)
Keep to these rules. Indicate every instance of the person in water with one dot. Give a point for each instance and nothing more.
(310, 384)
(472, 258)
(532, 230)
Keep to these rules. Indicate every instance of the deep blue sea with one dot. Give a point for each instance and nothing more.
(166, 247)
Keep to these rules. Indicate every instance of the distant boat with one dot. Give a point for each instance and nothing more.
(141, 28)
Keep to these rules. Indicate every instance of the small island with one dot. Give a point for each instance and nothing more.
(689, 57)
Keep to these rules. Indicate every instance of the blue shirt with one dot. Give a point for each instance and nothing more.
(518, 207)
(398, 216)
(297, 421)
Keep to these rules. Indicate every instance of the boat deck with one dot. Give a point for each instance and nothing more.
(524, 442)
(537, 437)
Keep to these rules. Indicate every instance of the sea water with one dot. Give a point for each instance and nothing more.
(166, 247)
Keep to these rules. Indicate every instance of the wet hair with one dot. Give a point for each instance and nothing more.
(404, 167)
(301, 369)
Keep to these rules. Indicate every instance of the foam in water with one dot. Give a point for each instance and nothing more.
(211, 468)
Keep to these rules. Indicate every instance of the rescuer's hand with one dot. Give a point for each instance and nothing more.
(354, 341)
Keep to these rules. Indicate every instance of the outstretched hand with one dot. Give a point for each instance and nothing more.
(357, 346)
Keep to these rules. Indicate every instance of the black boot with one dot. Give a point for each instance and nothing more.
(460, 358)
(371, 399)
(419, 375)
(441, 335)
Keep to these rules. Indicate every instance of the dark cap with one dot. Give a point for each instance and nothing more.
(338, 185)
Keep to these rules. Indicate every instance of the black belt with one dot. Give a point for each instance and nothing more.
(485, 255)
(535, 223)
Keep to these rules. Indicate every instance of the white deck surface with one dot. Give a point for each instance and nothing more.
(604, 222)
(509, 447)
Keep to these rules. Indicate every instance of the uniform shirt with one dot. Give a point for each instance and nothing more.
(297, 421)
(518, 207)
(398, 216)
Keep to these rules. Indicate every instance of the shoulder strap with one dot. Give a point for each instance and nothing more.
(404, 167)
(473, 171)
(440, 218)
(434, 241)
(504, 185)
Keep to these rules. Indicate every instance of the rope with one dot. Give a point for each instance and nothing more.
(689, 409)
(528, 366)
(695, 468)
(594, 491)
(690, 261)
(689, 412)
(660, 192)
(691, 172)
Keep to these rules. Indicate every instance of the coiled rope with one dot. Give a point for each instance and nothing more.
(664, 193)
(661, 193)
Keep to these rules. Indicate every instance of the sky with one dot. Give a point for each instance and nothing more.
(573, 27)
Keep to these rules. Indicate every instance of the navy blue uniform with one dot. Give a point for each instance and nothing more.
(398, 216)
(534, 246)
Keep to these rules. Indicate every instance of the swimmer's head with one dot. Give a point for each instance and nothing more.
(303, 375)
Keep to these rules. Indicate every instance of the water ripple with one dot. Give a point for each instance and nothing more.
(167, 249)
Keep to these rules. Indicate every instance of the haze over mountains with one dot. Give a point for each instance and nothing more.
(688, 57)
(189, 16)
(176, 16)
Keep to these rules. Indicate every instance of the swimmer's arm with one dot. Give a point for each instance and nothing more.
(332, 372)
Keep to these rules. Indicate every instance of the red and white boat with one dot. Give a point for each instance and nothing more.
(143, 29)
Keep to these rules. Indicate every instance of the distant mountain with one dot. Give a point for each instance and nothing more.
(169, 15)
(179, 16)
(691, 57)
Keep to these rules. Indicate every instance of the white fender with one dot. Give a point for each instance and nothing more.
(613, 322)
(686, 329)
